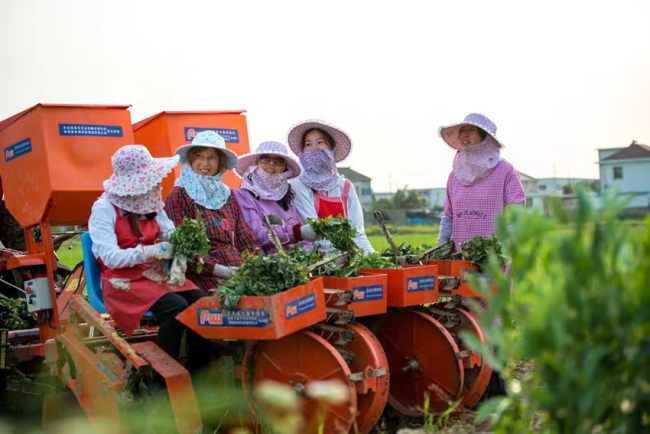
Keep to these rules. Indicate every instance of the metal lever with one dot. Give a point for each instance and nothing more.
(269, 220)
(340, 261)
(417, 258)
(379, 216)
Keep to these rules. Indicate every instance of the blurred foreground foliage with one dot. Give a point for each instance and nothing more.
(576, 305)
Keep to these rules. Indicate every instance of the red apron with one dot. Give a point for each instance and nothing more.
(332, 206)
(131, 299)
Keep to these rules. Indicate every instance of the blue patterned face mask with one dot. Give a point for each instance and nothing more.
(207, 191)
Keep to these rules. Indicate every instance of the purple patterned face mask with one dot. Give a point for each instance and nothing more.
(473, 163)
(319, 169)
(265, 185)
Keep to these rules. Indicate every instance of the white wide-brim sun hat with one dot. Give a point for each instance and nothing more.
(209, 139)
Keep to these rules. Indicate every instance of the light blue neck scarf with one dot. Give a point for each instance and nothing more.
(207, 191)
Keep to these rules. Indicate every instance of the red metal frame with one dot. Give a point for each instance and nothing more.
(96, 380)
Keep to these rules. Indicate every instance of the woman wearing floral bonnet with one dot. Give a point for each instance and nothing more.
(127, 226)
(200, 191)
(320, 190)
(481, 184)
(266, 191)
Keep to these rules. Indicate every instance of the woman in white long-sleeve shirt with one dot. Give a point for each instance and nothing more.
(320, 190)
(128, 227)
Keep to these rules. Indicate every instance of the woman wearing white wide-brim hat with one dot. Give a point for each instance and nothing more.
(200, 191)
(125, 225)
(320, 190)
(266, 191)
(481, 184)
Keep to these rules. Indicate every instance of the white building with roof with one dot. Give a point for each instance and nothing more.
(627, 171)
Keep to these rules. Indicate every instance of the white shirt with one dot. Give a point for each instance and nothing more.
(101, 227)
(306, 209)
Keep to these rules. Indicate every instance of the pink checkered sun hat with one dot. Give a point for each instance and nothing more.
(267, 148)
(342, 142)
(136, 172)
(450, 133)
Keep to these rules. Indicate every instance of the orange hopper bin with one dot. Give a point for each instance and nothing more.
(60, 152)
(165, 132)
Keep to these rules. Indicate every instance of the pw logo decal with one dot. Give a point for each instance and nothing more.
(208, 318)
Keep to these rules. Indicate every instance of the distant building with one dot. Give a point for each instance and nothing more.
(529, 183)
(435, 197)
(555, 186)
(625, 169)
(361, 184)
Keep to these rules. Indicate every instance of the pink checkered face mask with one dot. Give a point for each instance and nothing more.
(473, 163)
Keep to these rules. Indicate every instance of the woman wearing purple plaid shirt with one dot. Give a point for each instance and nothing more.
(481, 184)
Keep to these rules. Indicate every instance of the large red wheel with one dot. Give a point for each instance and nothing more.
(423, 359)
(369, 363)
(477, 371)
(296, 360)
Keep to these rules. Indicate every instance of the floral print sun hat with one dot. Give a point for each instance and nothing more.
(136, 172)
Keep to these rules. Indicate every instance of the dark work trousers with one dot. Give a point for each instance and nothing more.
(496, 387)
(170, 330)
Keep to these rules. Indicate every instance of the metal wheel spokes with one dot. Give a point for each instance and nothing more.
(423, 359)
(296, 360)
(370, 372)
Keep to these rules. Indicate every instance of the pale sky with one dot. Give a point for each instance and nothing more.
(559, 78)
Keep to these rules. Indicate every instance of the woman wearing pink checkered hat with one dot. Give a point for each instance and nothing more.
(481, 184)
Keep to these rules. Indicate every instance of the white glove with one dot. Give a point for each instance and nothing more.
(308, 233)
(223, 271)
(177, 272)
(164, 250)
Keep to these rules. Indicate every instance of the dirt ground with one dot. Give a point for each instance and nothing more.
(463, 423)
